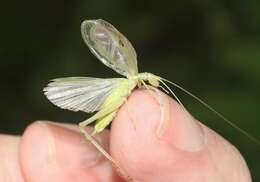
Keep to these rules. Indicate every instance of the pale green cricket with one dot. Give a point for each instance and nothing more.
(105, 96)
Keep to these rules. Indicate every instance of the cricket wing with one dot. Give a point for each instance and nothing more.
(110, 46)
(80, 93)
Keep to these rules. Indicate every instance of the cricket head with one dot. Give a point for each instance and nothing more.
(150, 78)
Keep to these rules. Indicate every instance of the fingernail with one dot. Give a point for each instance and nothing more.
(66, 147)
(178, 127)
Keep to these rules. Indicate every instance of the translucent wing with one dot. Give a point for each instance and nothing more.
(80, 93)
(110, 46)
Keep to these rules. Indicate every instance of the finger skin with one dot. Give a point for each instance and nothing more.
(51, 152)
(9, 166)
(175, 154)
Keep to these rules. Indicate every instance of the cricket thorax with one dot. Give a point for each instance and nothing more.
(121, 91)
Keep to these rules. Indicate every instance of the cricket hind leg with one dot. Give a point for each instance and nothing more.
(89, 137)
(103, 118)
(102, 113)
(114, 163)
(103, 122)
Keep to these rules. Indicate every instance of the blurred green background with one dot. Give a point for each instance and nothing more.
(211, 48)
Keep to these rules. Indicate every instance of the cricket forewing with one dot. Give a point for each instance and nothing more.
(110, 46)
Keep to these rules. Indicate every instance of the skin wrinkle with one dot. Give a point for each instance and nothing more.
(130, 115)
(164, 105)
(51, 146)
(98, 158)
(135, 162)
(165, 110)
(168, 128)
(165, 114)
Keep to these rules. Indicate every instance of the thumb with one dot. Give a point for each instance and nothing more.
(155, 139)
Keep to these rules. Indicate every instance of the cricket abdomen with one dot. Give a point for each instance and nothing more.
(120, 93)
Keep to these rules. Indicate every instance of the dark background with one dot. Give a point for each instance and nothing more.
(211, 48)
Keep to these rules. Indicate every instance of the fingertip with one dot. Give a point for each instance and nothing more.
(153, 138)
(134, 140)
(61, 153)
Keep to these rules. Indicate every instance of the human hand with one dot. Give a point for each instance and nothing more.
(152, 138)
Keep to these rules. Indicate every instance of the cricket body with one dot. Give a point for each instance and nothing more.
(95, 94)
(117, 97)
(105, 96)
(115, 51)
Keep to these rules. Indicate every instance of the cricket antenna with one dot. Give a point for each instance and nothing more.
(211, 109)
